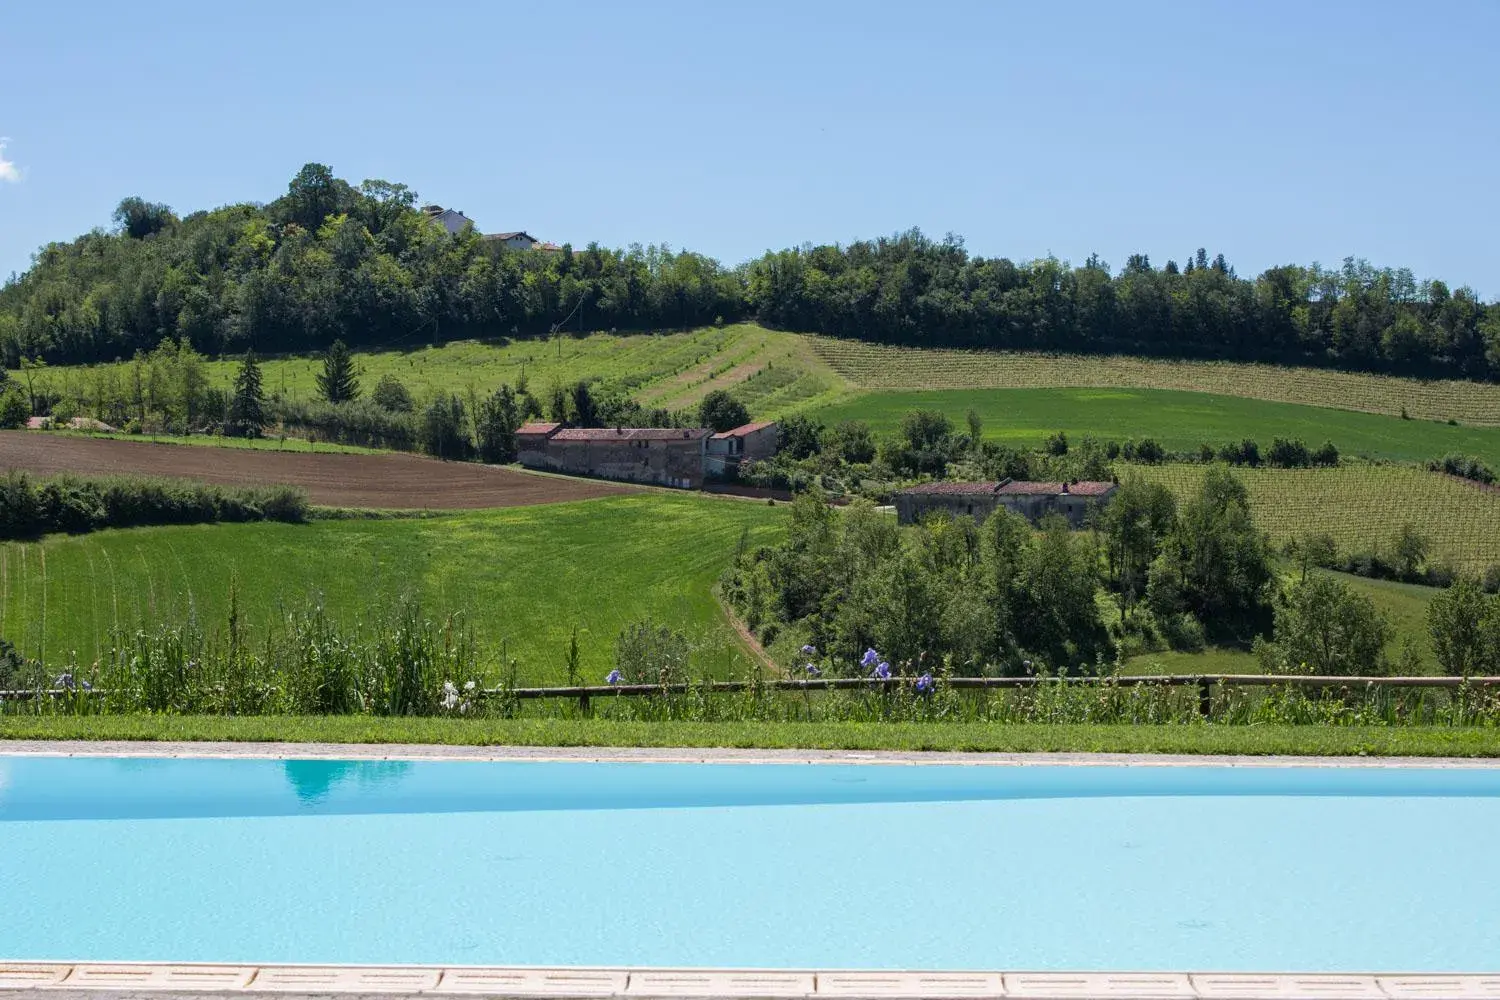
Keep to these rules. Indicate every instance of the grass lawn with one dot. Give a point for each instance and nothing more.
(1179, 420)
(1418, 741)
(1362, 507)
(523, 576)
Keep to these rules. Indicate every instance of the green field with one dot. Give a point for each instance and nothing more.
(524, 577)
(1362, 507)
(883, 367)
(1403, 604)
(1181, 421)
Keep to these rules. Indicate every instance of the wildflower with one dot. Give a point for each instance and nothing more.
(809, 650)
(64, 681)
(813, 671)
(883, 671)
(450, 696)
(469, 686)
(924, 684)
(869, 659)
(614, 676)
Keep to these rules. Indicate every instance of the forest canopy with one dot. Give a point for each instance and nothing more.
(330, 260)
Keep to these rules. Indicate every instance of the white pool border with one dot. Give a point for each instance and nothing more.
(694, 755)
(141, 979)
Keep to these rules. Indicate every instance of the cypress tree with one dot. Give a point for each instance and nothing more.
(339, 381)
(247, 414)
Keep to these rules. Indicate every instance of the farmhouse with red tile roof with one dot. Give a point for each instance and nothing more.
(1032, 501)
(666, 456)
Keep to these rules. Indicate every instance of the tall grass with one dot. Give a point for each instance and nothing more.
(393, 661)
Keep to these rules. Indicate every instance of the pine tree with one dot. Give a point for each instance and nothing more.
(247, 414)
(339, 381)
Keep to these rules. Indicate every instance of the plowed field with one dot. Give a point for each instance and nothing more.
(392, 482)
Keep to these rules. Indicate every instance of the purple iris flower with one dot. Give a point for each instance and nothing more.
(809, 650)
(813, 671)
(614, 676)
(924, 684)
(883, 671)
(869, 659)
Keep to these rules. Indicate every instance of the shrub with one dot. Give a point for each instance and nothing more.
(362, 423)
(14, 410)
(852, 441)
(1057, 444)
(650, 653)
(390, 393)
(1149, 452)
(1285, 454)
(1182, 632)
(443, 433)
(1464, 467)
(1327, 455)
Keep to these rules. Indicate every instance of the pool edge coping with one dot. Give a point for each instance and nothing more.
(693, 755)
(137, 979)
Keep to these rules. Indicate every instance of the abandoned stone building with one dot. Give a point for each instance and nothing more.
(753, 442)
(666, 456)
(1032, 501)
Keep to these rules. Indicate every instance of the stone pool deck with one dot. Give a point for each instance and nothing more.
(667, 755)
(96, 981)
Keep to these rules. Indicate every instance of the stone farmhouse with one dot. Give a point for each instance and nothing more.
(678, 457)
(753, 442)
(1032, 501)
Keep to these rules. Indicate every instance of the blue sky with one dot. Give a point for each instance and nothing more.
(1274, 132)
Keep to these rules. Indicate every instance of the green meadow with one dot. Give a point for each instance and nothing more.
(522, 577)
(1181, 421)
(1404, 606)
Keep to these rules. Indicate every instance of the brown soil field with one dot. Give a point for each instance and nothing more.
(390, 482)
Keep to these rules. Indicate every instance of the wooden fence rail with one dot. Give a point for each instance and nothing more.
(1204, 683)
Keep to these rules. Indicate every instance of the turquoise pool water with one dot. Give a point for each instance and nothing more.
(860, 866)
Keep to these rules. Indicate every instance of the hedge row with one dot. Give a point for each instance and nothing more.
(31, 508)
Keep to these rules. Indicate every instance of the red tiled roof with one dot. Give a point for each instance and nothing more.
(631, 434)
(744, 429)
(538, 428)
(953, 488)
(1083, 489)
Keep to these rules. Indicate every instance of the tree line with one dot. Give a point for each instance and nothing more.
(330, 260)
(952, 597)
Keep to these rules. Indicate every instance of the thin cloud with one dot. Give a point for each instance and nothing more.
(8, 170)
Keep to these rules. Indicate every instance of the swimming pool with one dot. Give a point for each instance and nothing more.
(751, 866)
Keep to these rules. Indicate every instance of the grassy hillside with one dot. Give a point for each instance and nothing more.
(1363, 506)
(877, 366)
(1179, 420)
(772, 371)
(523, 576)
(1403, 604)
